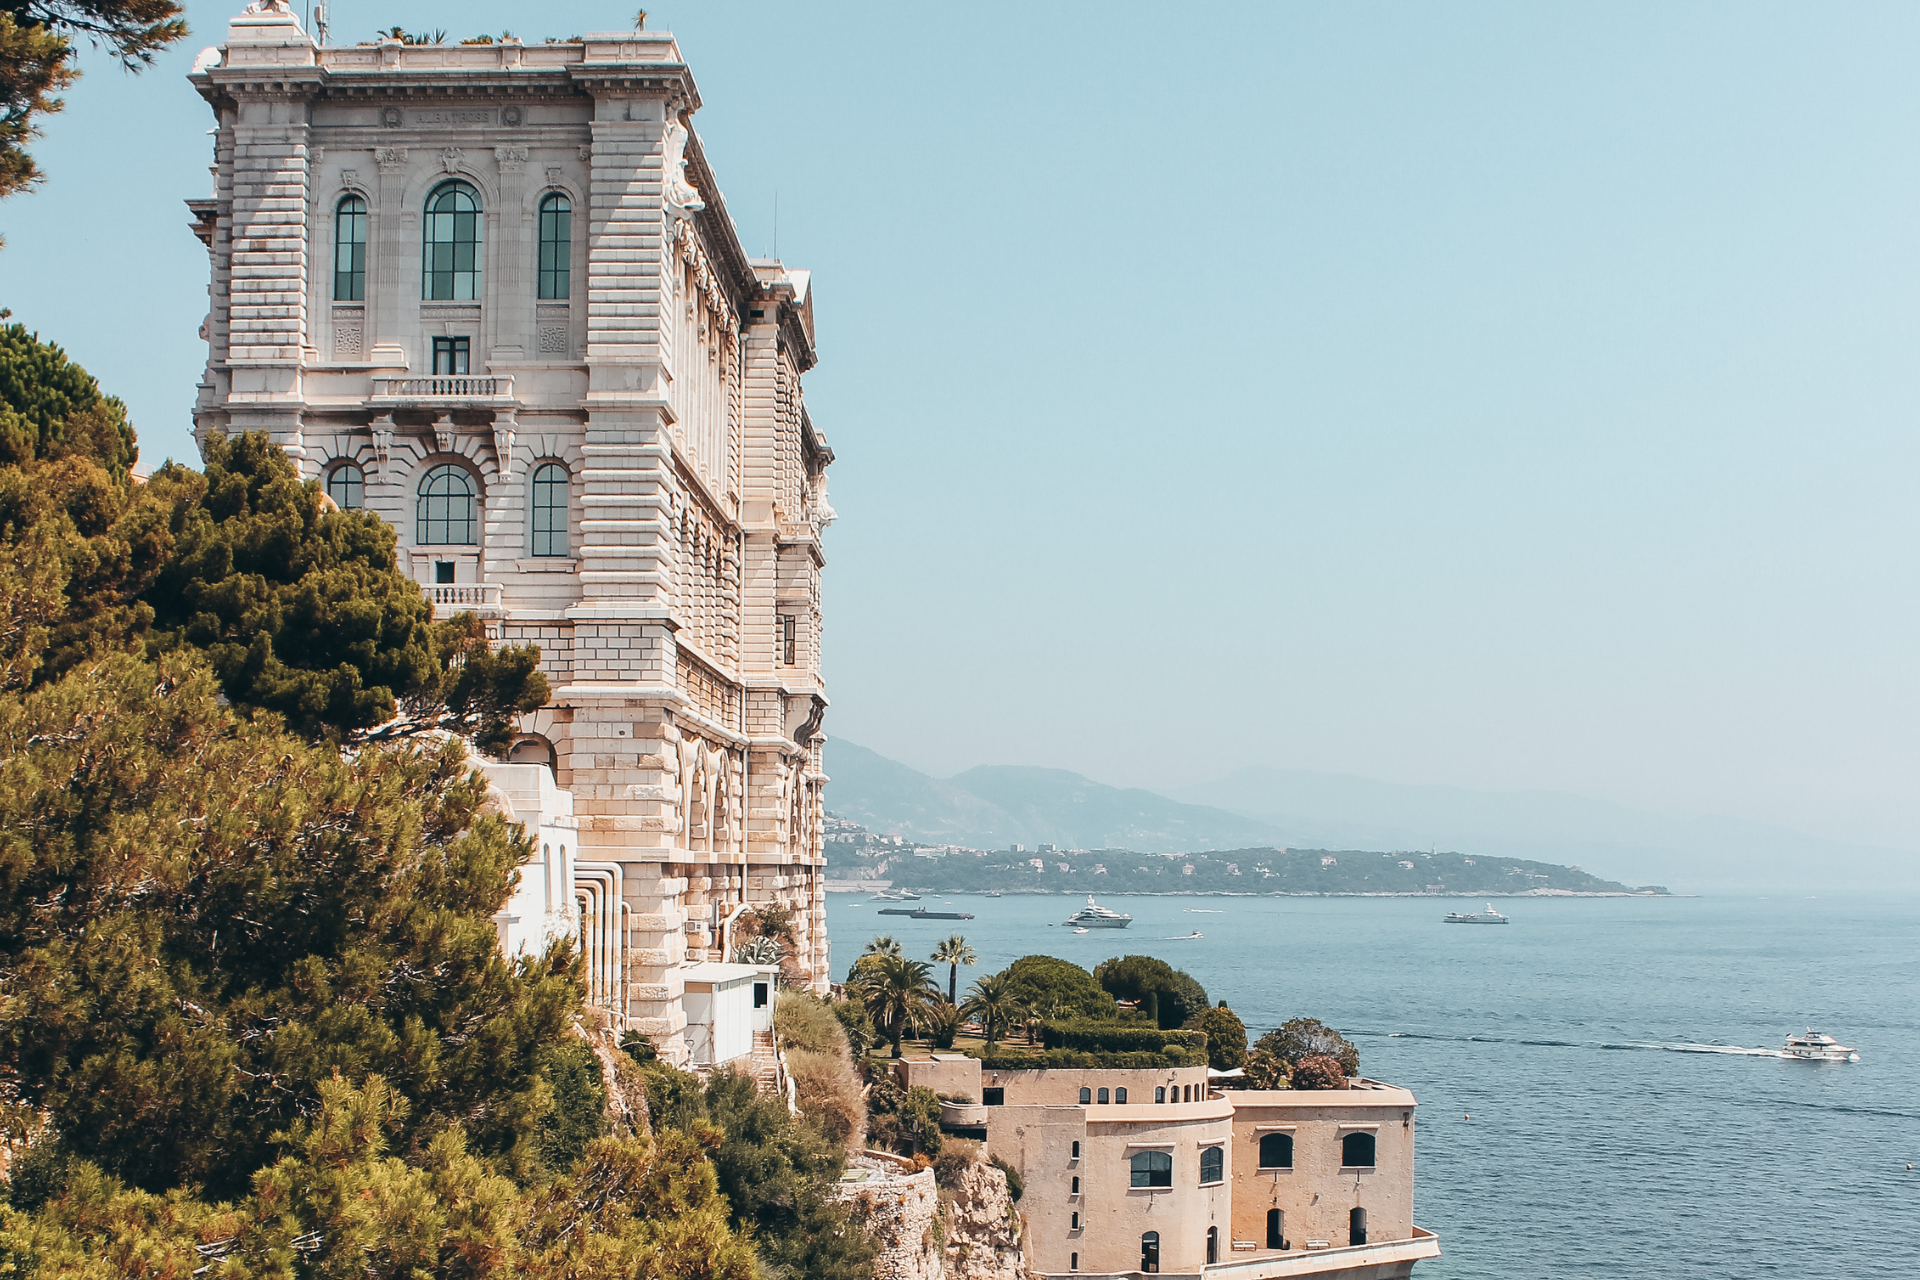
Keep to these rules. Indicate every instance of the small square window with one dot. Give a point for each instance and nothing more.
(993, 1097)
(452, 356)
(443, 571)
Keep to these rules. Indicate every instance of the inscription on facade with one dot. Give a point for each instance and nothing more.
(452, 117)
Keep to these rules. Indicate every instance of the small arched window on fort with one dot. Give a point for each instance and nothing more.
(451, 270)
(1086, 1096)
(1276, 1151)
(1103, 1096)
(1120, 1097)
(1153, 1169)
(350, 250)
(1213, 1165)
(556, 246)
(1356, 1151)
(1160, 1093)
(448, 512)
(550, 510)
(347, 486)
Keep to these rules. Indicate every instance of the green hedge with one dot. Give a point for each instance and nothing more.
(1119, 1037)
(1057, 1059)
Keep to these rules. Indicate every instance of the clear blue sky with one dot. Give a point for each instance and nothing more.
(1499, 395)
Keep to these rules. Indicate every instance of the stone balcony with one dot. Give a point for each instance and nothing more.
(444, 391)
(481, 599)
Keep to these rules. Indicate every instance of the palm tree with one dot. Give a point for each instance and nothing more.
(953, 953)
(994, 1005)
(896, 992)
(884, 945)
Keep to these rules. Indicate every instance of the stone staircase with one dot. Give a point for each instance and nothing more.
(765, 1064)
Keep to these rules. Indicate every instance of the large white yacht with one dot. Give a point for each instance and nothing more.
(1095, 916)
(1814, 1047)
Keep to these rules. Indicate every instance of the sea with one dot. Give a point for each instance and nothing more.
(1599, 1087)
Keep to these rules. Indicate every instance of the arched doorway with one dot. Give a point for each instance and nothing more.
(1276, 1229)
(1150, 1253)
(1213, 1245)
(1357, 1226)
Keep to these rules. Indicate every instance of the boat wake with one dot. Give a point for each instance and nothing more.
(1202, 911)
(1676, 1046)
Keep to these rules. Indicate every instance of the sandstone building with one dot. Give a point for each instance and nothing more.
(492, 293)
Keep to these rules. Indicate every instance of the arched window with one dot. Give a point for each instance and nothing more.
(1103, 1097)
(1086, 1096)
(1120, 1097)
(1076, 1152)
(550, 510)
(1276, 1229)
(1356, 1151)
(1357, 1226)
(448, 514)
(1213, 1245)
(1276, 1151)
(1076, 1221)
(350, 250)
(1213, 1165)
(556, 245)
(1160, 1093)
(1073, 1262)
(347, 486)
(1076, 1187)
(1152, 1169)
(1150, 1253)
(451, 272)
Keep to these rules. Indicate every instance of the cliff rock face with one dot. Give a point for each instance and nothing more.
(983, 1229)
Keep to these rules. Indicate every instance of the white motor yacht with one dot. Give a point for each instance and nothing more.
(1815, 1047)
(1095, 916)
(1489, 916)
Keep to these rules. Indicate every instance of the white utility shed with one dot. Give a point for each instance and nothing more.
(726, 1004)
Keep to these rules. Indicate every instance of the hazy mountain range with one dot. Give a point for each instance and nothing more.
(997, 805)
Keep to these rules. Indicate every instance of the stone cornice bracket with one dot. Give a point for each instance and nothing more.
(810, 727)
(503, 433)
(510, 159)
(679, 196)
(451, 159)
(444, 431)
(391, 159)
(383, 441)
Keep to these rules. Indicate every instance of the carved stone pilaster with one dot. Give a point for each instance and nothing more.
(503, 433)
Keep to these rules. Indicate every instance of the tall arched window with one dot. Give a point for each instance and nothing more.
(1103, 1096)
(1150, 1253)
(1160, 1094)
(1276, 1229)
(550, 510)
(1276, 1151)
(448, 514)
(1356, 1151)
(1086, 1096)
(350, 250)
(1357, 1226)
(451, 272)
(1213, 1245)
(1120, 1097)
(347, 486)
(556, 245)
(1153, 1169)
(1213, 1165)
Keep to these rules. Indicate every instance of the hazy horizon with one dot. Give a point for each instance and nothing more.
(1492, 397)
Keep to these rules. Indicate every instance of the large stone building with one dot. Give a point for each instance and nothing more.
(1134, 1172)
(492, 293)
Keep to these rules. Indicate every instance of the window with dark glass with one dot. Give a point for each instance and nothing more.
(550, 510)
(1160, 1094)
(350, 250)
(1153, 1169)
(451, 271)
(1356, 1151)
(994, 1098)
(452, 356)
(1213, 1245)
(1086, 1096)
(1076, 1187)
(447, 513)
(556, 245)
(1073, 1262)
(1276, 1229)
(1150, 1253)
(1076, 1151)
(1103, 1097)
(1213, 1164)
(1075, 1225)
(1120, 1097)
(1357, 1226)
(347, 486)
(1276, 1151)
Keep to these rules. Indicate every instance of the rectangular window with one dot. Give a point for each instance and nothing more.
(443, 571)
(350, 250)
(786, 638)
(556, 246)
(1073, 1262)
(451, 356)
(993, 1097)
(1076, 1187)
(1076, 1223)
(759, 995)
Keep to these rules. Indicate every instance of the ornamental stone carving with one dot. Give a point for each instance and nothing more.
(510, 159)
(451, 158)
(390, 159)
(679, 194)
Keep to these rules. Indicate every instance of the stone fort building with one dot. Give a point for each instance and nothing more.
(492, 293)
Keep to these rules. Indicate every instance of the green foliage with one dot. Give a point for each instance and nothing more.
(1265, 1071)
(802, 1020)
(1015, 1186)
(897, 993)
(1319, 1071)
(579, 1111)
(638, 1047)
(1301, 1038)
(1173, 996)
(202, 918)
(1118, 1037)
(51, 408)
(1077, 1059)
(920, 1119)
(1057, 988)
(303, 610)
(1226, 1038)
(995, 1004)
(953, 953)
(36, 61)
(856, 1023)
(941, 1022)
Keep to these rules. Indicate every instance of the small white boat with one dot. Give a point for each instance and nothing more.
(895, 895)
(1095, 916)
(1489, 916)
(1082, 929)
(1815, 1047)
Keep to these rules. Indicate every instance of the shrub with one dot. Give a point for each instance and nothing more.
(1300, 1038)
(1319, 1072)
(1264, 1071)
(804, 1021)
(1171, 996)
(920, 1119)
(941, 1022)
(1014, 1185)
(579, 1104)
(1226, 1038)
(1072, 1059)
(957, 1155)
(829, 1095)
(1057, 988)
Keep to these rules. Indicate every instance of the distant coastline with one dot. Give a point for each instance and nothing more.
(856, 887)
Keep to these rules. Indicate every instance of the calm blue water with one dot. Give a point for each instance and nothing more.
(1606, 1138)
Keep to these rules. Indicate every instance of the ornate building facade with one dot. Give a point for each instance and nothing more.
(492, 293)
